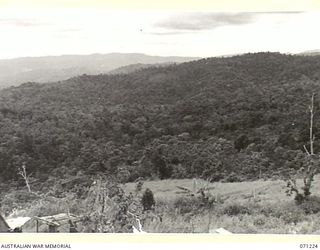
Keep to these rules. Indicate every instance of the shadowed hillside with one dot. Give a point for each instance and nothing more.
(226, 119)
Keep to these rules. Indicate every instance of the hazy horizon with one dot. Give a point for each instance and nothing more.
(186, 56)
(56, 32)
(95, 53)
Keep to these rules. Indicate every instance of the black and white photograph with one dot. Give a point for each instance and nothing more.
(159, 121)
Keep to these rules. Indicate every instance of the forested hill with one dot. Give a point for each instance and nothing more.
(136, 67)
(230, 119)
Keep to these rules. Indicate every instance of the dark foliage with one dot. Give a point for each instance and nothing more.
(147, 200)
(311, 205)
(187, 204)
(237, 118)
(236, 209)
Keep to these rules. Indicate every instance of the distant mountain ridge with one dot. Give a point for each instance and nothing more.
(314, 52)
(56, 68)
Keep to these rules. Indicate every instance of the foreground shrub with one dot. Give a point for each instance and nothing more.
(187, 204)
(147, 200)
(236, 209)
(288, 212)
(311, 205)
(284, 210)
(269, 211)
(260, 220)
(293, 218)
(17, 200)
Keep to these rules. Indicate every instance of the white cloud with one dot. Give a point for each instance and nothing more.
(69, 31)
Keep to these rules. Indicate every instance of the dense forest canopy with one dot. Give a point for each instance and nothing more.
(227, 119)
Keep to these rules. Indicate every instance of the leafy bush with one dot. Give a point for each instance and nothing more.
(294, 216)
(236, 209)
(288, 212)
(187, 204)
(260, 221)
(269, 211)
(233, 177)
(17, 200)
(147, 200)
(178, 172)
(311, 205)
(109, 209)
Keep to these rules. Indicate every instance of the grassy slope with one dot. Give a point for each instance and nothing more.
(267, 191)
(271, 211)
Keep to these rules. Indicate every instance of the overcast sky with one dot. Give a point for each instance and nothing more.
(40, 32)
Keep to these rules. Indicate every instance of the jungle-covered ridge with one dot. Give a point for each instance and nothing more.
(225, 119)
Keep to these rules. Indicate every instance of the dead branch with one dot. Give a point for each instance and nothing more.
(309, 171)
(293, 186)
(184, 189)
(24, 175)
(311, 135)
(305, 149)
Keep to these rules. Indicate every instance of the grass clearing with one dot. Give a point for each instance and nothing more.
(245, 207)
